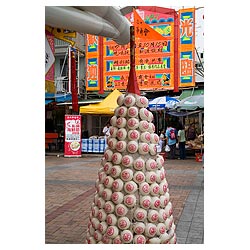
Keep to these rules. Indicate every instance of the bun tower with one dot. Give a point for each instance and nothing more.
(131, 203)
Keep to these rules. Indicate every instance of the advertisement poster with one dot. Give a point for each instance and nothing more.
(72, 144)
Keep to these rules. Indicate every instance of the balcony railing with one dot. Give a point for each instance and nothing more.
(60, 43)
(61, 86)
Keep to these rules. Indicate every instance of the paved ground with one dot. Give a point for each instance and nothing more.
(70, 187)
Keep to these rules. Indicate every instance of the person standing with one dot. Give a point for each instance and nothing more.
(106, 131)
(162, 140)
(171, 135)
(182, 142)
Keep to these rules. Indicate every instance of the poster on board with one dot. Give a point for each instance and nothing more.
(72, 143)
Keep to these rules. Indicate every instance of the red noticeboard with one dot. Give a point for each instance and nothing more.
(72, 144)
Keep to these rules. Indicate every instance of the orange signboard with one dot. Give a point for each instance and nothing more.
(155, 65)
(92, 57)
(154, 58)
(187, 47)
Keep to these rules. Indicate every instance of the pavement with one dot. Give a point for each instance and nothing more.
(70, 187)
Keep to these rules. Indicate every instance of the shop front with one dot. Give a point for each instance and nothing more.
(193, 120)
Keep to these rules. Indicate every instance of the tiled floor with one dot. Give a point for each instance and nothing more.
(70, 187)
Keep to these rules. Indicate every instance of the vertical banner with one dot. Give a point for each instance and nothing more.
(92, 57)
(187, 47)
(49, 63)
(72, 144)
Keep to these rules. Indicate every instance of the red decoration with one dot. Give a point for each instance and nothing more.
(132, 86)
(73, 84)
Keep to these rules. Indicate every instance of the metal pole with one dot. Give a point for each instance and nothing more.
(69, 65)
(78, 72)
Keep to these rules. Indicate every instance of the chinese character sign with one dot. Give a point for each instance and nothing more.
(72, 144)
(143, 30)
(92, 56)
(154, 58)
(187, 47)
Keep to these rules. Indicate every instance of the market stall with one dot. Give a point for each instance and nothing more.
(191, 109)
(106, 107)
(159, 105)
(98, 114)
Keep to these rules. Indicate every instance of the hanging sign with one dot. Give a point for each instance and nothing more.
(49, 63)
(49, 56)
(92, 55)
(72, 144)
(187, 47)
(154, 60)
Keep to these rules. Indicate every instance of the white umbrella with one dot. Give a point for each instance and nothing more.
(162, 102)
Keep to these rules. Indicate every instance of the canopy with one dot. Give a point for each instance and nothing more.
(106, 107)
(183, 113)
(191, 92)
(162, 102)
(191, 103)
(51, 97)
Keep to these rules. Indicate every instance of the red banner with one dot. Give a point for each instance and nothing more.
(72, 144)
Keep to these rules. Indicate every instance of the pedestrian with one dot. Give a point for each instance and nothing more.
(171, 135)
(106, 131)
(162, 140)
(191, 132)
(182, 142)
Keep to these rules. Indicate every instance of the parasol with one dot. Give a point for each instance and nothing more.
(162, 102)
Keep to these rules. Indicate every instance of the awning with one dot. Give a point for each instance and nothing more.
(86, 101)
(48, 101)
(190, 92)
(106, 107)
(51, 97)
(63, 98)
(183, 113)
(191, 103)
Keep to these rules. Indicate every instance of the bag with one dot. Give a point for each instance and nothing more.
(172, 134)
(167, 148)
